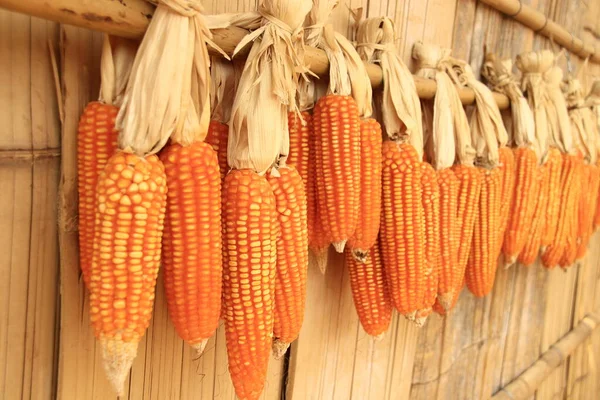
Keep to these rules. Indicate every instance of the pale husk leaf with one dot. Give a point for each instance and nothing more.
(223, 86)
(117, 59)
(593, 101)
(533, 65)
(267, 87)
(401, 108)
(450, 136)
(487, 128)
(558, 115)
(168, 92)
(584, 128)
(498, 74)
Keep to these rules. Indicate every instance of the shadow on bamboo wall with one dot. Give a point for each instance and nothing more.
(46, 343)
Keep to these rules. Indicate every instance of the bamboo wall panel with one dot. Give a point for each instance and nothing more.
(29, 258)
(483, 345)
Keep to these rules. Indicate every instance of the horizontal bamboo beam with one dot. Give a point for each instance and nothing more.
(130, 19)
(10, 156)
(525, 385)
(541, 24)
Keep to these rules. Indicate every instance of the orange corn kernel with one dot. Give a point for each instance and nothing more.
(96, 143)
(483, 261)
(507, 166)
(192, 252)
(337, 156)
(403, 227)
(370, 292)
(218, 133)
(249, 270)
(301, 131)
(554, 163)
(292, 260)
(367, 228)
(534, 241)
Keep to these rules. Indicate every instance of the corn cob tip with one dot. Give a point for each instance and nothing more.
(360, 255)
(199, 347)
(446, 300)
(378, 338)
(279, 349)
(320, 258)
(418, 321)
(509, 261)
(339, 246)
(118, 358)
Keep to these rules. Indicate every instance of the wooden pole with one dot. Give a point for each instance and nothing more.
(525, 385)
(131, 18)
(541, 24)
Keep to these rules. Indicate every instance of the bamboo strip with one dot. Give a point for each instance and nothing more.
(10, 156)
(130, 19)
(524, 386)
(541, 24)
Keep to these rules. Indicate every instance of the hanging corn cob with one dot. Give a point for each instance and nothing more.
(488, 133)
(402, 235)
(97, 139)
(370, 292)
(447, 137)
(585, 137)
(522, 133)
(257, 140)
(336, 123)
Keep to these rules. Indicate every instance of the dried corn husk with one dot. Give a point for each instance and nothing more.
(115, 67)
(584, 128)
(487, 129)
(498, 74)
(446, 128)
(223, 86)
(533, 65)
(593, 101)
(159, 102)
(267, 87)
(401, 108)
(558, 115)
(347, 73)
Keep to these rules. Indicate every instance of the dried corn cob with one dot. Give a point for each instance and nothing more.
(192, 241)
(449, 272)
(300, 132)
(217, 138)
(365, 235)
(507, 166)
(337, 155)
(431, 209)
(437, 307)
(554, 163)
(587, 202)
(292, 262)
(597, 205)
(572, 224)
(481, 267)
(532, 245)
(521, 217)
(469, 190)
(250, 233)
(370, 292)
(403, 227)
(126, 256)
(96, 143)
(567, 197)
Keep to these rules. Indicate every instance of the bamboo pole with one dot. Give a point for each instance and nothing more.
(131, 18)
(541, 24)
(525, 385)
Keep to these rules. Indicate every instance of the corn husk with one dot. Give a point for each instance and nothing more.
(117, 59)
(446, 128)
(487, 129)
(223, 84)
(584, 128)
(168, 92)
(498, 74)
(267, 87)
(533, 65)
(558, 115)
(400, 104)
(593, 101)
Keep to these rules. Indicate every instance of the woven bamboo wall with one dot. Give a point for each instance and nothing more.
(46, 345)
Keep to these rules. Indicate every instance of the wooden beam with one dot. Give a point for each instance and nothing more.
(525, 385)
(130, 18)
(541, 24)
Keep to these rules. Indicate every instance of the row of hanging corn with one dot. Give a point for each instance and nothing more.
(230, 206)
